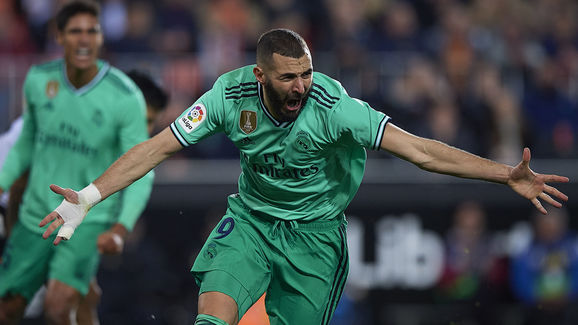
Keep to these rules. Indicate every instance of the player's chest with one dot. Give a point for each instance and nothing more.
(73, 115)
(292, 144)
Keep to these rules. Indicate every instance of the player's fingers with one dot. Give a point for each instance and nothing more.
(554, 191)
(69, 194)
(556, 179)
(57, 189)
(526, 156)
(51, 216)
(53, 226)
(550, 200)
(57, 240)
(539, 206)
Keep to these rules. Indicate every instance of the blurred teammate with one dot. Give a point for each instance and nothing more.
(83, 109)
(156, 101)
(302, 141)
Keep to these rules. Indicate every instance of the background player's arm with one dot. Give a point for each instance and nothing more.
(16, 193)
(441, 158)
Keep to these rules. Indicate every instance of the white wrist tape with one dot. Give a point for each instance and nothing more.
(74, 213)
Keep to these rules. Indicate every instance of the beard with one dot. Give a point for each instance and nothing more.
(278, 103)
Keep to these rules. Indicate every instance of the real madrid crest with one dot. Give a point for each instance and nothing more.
(51, 89)
(248, 121)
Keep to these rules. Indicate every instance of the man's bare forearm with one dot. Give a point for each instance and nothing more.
(136, 163)
(445, 159)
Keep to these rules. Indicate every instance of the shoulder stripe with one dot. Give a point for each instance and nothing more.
(321, 95)
(241, 85)
(245, 89)
(240, 96)
(325, 92)
(380, 130)
(319, 101)
(178, 135)
(241, 91)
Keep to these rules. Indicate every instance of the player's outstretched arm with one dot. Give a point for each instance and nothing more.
(441, 158)
(131, 166)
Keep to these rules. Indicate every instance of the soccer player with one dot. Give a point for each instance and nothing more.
(81, 108)
(156, 100)
(302, 140)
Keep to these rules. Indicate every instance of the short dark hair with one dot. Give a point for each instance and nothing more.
(73, 8)
(154, 95)
(284, 42)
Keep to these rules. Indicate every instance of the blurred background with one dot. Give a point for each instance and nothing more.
(487, 76)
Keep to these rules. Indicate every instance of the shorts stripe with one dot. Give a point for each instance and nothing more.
(338, 280)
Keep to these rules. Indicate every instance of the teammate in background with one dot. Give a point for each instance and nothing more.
(81, 108)
(302, 140)
(156, 101)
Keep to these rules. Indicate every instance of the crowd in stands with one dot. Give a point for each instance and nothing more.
(487, 76)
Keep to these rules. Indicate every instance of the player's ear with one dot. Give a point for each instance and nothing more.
(259, 74)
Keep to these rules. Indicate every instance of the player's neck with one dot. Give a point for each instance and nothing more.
(80, 77)
(268, 105)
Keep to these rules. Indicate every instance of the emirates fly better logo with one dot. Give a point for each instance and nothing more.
(193, 118)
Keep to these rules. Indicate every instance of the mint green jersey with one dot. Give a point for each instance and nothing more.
(309, 169)
(70, 136)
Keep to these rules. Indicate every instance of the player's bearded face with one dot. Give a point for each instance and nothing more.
(286, 85)
(285, 106)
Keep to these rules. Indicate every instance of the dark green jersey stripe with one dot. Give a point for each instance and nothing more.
(322, 97)
(241, 85)
(319, 101)
(241, 96)
(325, 92)
(242, 90)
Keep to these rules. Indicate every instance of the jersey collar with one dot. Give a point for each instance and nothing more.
(103, 68)
(266, 111)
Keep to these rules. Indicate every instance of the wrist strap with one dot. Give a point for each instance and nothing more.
(89, 195)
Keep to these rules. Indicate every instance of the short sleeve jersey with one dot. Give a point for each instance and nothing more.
(70, 136)
(308, 169)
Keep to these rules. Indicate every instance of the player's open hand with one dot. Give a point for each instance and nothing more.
(54, 218)
(533, 186)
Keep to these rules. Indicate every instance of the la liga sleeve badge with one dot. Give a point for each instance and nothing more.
(193, 117)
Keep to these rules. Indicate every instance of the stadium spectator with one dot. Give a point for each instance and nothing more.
(544, 275)
(466, 278)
